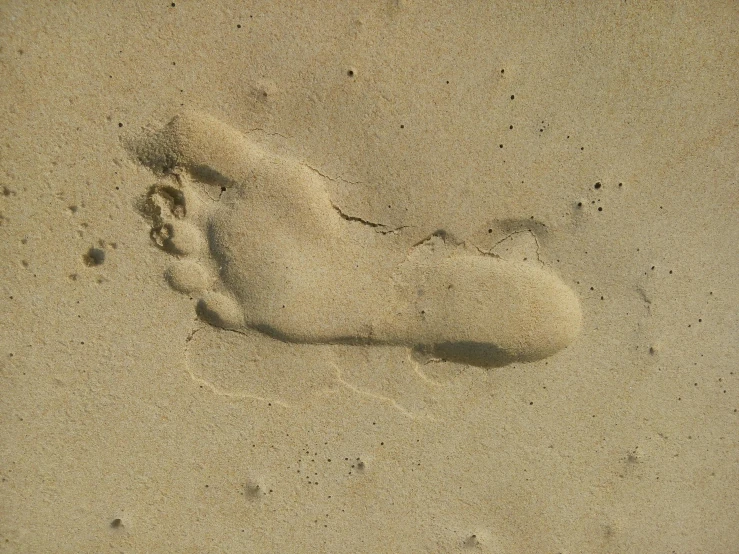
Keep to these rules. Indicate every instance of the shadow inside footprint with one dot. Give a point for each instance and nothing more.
(470, 353)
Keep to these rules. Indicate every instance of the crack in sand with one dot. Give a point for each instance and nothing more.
(272, 133)
(381, 228)
(440, 233)
(490, 252)
(356, 218)
(384, 399)
(332, 179)
(417, 369)
(219, 391)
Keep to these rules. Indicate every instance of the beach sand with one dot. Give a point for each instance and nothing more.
(384, 277)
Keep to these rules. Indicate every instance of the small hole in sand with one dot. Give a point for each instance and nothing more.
(93, 257)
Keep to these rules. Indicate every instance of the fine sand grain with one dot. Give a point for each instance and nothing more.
(378, 277)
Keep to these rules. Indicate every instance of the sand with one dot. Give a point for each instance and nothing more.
(386, 277)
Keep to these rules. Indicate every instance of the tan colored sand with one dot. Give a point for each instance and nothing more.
(256, 239)
(595, 146)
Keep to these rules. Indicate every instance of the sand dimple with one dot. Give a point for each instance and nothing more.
(261, 245)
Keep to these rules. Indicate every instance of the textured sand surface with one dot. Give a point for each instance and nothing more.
(256, 237)
(392, 277)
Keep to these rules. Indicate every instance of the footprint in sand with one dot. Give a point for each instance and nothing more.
(256, 238)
